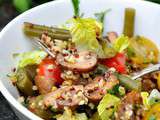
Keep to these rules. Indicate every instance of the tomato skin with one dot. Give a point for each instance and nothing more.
(50, 70)
(118, 62)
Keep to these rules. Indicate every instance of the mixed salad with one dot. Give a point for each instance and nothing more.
(88, 76)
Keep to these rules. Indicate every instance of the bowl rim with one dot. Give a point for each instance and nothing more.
(12, 101)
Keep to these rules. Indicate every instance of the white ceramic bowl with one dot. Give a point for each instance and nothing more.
(12, 39)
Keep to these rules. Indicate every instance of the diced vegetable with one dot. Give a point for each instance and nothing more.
(69, 115)
(128, 83)
(118, 62)
(128, 29)
(48, 75)
(49, 66)
(34, 30)
(31, 58)
(24, 83)
(107, 106)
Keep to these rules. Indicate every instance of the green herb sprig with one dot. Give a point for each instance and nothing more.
(76, 7)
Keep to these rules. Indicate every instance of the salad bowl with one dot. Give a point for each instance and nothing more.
(12, 39)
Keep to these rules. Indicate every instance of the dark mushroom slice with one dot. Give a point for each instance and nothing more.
(69, 96)
(98, 88)
(93, 92)
(83, 61)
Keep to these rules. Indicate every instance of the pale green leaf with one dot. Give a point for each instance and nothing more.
(121, 43)
(30, 58)
(84, 34)
(107, 105)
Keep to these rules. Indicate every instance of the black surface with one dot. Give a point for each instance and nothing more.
(6, 113)
(6, 14)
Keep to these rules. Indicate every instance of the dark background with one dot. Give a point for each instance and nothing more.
(9, 9)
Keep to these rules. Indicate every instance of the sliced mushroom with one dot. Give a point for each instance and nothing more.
(93, 91)
(98, 88)
(70, 96)
(81, 62)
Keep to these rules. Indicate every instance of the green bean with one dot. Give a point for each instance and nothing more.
(34, 30)
(24, 83)
(46, 28)
(38, 109)
(129, 22)
(128, 83)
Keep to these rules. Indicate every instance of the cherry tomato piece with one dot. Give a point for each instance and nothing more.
(118, 62)
(49, 74)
